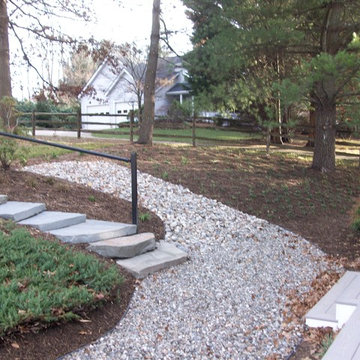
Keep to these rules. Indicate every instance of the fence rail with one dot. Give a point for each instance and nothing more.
(297, 132)
(132, 161)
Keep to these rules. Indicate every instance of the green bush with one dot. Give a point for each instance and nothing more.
(7, 152)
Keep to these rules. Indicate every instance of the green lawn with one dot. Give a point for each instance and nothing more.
(179, 135)
(43, 281)
(29, 150)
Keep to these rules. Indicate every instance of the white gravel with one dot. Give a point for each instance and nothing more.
(227, 301)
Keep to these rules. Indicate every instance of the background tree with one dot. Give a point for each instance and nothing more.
(255, 54)
(119, 57)
(76, 73)
(147, 125)
(134, 61)
(34, 19)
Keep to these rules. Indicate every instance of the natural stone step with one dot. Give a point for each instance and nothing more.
(337, 305)
(92, 231)
(51, 220)
(165, 256)
(124, 247)
(346, 345)
(17, 211)
(3, 199)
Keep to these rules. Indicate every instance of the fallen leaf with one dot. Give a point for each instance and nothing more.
(83, 332)
(85, 321)
(15, 345)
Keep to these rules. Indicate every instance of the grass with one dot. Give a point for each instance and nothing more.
(43, 281)
(176, 135)
(144, 216)
(30, 151)
(325, 345)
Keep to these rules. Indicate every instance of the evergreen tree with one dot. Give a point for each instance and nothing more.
(252, 54)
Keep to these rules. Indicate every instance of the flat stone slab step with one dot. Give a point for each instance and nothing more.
(124, 247)
(3, 199)
(93, 230)
(52, 220)
(346, 345)
(165, 256)
(17, 211)
(335, 308)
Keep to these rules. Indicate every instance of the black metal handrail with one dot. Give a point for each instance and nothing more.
(132, 161)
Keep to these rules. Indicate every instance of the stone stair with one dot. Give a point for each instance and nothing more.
(340, 309)
(110, 239)
(17, 211)
(165, 256)
(124, 247)
(52, 220)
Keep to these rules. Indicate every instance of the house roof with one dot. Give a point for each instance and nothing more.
(114, 83)
(179, 88)
(168, 70)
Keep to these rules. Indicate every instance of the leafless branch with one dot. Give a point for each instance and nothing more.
(26, 58)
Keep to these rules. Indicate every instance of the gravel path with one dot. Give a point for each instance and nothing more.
(227, 301)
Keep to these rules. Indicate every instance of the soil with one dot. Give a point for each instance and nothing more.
(281, 189)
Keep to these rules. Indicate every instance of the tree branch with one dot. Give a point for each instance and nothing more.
(26, 58)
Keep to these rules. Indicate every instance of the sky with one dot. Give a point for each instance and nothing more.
(119, 21)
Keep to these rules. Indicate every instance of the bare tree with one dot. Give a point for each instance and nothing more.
(147, 125)
(37, 18)
(134, 62)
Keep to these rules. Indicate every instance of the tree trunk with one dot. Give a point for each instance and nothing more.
(5, 79)
(140, 110)
(147, 124)
(324, 151)
(312, 117)
(325, 91)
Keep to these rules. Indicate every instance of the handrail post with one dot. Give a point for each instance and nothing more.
(33, 122)
(79, 124)
(134, 195)
(132, 126)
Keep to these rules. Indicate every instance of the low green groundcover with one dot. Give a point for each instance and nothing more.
(43, 281)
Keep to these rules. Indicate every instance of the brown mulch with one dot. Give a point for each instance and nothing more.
(61, 195)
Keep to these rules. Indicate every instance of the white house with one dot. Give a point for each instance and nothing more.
(112, 93)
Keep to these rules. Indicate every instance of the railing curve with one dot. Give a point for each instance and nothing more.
(132, 161)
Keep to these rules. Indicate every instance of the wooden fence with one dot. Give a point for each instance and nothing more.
(251, 127)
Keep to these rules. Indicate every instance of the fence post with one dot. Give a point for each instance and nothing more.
(134, 196)
(33, 122)
(79, 124)
(193, 131)
(132, 126)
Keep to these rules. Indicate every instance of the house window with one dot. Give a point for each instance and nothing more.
(119, 112)
(125, 111)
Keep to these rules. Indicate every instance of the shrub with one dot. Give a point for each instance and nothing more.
(7, 152)
(8, 123)
(180, 112)
(8, 113)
